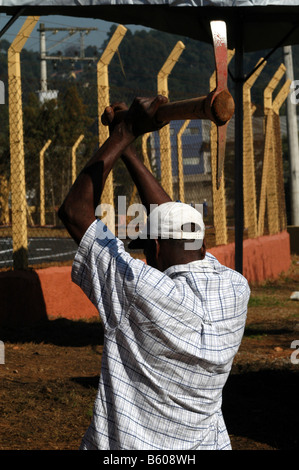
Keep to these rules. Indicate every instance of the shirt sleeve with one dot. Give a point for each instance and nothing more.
(106, 273)
(238, 287)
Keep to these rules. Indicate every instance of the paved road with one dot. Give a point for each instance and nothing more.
(40, 250)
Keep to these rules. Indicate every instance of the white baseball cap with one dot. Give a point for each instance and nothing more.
(171, 220)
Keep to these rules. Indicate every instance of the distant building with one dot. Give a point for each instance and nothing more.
(196, 159)
(47, 95)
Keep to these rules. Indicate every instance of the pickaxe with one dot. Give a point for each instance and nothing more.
(218, 106)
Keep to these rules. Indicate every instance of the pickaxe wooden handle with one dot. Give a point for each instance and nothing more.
(218, 109)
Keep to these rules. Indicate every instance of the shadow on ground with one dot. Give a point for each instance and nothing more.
(263, 406)
(59, 332)
(258, 406)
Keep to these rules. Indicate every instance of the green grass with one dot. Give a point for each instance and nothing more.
(265, 301)
(257, 336)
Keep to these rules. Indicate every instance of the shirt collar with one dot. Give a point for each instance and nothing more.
(193, 266)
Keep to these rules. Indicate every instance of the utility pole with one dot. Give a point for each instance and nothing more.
(44, 93)
(43, 62)
(82, 53)
(292, 139)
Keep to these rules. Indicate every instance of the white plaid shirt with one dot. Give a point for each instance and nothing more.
(170, 340)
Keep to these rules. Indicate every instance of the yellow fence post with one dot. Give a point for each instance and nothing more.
(277, 103)
(74, 157)
(4, 198)
(146, 160)
(250, 210)
(181, 191)
(269, 176)
(42, 182)
(164, 133)
(103, 101)
(17, 165)
(267, 149)
(133, 195)
(268, 92)
(219, 202)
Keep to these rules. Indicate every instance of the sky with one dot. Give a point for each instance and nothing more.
(94, 38)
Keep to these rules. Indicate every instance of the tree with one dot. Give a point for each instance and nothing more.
(63, 121)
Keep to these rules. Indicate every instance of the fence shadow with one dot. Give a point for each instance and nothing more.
(22, 300)
(59, 332)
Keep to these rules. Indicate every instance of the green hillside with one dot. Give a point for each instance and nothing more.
(133, 70)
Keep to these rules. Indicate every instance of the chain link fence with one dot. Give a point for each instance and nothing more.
(48, 141)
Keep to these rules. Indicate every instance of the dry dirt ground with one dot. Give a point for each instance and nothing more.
(49, 380)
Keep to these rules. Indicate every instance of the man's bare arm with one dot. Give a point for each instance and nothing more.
(78, 209)
(150, 190)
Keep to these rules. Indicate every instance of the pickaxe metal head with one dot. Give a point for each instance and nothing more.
(218, 29)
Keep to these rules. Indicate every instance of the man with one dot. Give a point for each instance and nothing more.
(172, 325)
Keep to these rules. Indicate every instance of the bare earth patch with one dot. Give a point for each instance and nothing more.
(49, 380)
